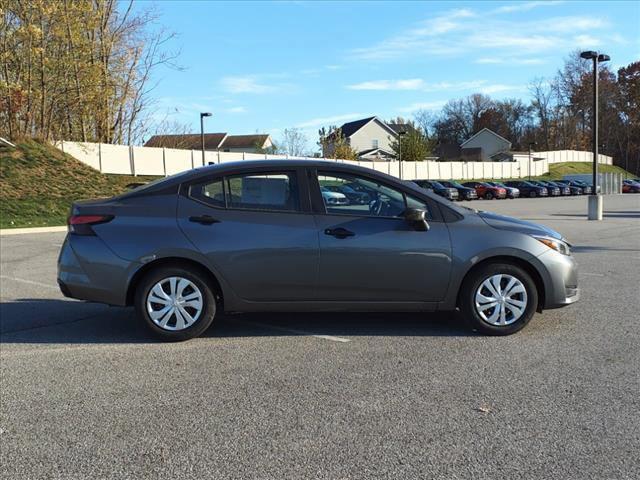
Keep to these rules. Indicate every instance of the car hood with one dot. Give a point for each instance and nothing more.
(502, 222)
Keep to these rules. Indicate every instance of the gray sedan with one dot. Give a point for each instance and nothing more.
(261, 236)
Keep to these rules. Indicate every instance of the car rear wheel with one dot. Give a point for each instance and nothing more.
(175, 303)
(498, 299)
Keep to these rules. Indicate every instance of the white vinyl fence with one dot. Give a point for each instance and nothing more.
(557, 156)
(130, 160)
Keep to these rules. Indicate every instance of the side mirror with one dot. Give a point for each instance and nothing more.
(416, 218)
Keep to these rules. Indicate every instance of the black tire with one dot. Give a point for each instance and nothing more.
(466, 299)
(533, 194)
(209, 305)
(488, 196)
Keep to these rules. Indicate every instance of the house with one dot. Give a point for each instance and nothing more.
(486, 146)
(370, 137)
(246, 143)
(213, 142)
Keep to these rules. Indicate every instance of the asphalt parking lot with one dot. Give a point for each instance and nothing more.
(86, 393)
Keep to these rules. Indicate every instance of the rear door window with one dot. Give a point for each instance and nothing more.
(277, 191)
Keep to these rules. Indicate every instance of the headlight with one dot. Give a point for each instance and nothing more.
(558, 245)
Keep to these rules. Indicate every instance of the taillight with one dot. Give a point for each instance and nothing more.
(82, 224)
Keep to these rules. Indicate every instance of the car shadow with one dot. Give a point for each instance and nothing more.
(51, 321)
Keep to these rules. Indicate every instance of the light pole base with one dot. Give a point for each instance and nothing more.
(595, 207)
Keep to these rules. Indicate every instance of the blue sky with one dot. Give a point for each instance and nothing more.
(267, 66)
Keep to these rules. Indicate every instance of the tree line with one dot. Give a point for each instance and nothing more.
(558, 116)
(78, 69)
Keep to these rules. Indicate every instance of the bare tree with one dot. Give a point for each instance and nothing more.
(293, 142)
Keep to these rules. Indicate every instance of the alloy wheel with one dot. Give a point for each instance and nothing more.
(174, 303)
(501, 300)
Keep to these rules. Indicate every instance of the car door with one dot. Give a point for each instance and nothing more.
(369, 253)
(257, 230)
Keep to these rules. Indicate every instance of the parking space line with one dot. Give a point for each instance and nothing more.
(592, 274)
(295, 331)
(31, 282)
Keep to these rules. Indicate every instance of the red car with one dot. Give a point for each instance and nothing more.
(629, 186)
(486, 191)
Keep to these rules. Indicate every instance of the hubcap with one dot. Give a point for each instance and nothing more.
(174, 303)
(501, 300)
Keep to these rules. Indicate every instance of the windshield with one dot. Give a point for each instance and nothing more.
(437, 184)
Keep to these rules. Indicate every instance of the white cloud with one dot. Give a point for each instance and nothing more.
(423, 106)
(416, 84)
(587, 41)
(408, 84)
(462, 33)
(317, 122)
(236, 110)
(525, 6)
(499, 87)
(245, 84)
(509, 61)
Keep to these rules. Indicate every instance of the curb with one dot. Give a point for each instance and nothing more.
(22, 231)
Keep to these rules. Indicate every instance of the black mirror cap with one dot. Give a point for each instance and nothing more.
(416, 218)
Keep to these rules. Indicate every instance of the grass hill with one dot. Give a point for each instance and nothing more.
(38, 183)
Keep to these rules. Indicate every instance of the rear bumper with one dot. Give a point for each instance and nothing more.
(89, 270)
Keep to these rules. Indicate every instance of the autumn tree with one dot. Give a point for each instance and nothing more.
(78, 69)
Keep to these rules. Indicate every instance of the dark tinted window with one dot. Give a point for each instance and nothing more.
(210, 192)
(264, 191)
(360, 196)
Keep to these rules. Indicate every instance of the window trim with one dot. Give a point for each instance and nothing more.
(321, 208)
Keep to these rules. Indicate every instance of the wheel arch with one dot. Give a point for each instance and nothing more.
(181, 262)
(513, 260)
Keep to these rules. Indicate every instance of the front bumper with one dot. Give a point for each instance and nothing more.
(561, 282)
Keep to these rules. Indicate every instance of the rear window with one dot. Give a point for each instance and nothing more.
(276, 191)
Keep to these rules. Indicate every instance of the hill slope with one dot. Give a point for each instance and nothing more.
(38, 183)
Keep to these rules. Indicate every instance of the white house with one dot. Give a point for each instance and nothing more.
(370, 137)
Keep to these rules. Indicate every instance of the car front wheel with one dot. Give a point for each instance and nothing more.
(532, 194)
(488, 196)
(498, 299)
(175, 303)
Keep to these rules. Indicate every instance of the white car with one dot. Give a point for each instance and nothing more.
(333, 198)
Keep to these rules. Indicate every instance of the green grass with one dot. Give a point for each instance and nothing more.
(558, 170)
(38, 183)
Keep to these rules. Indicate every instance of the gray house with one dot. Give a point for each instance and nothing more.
(486, 146)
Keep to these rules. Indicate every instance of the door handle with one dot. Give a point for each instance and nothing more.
(339, 232)
(204, 219)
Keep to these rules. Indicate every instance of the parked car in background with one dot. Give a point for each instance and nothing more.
(354, 197)
(512, 192)
(333, 198)
(586, 188)
(573, 189)
(263, 236)
(528, 189)
(449, 193)
(486, 191)
(564, 189)
(464, 193)
(553, 191)
(630, 186)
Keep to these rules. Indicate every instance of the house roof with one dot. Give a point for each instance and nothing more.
(483, 130)
(373, 151)
(245, 141)
(212, 141)
(350, 128)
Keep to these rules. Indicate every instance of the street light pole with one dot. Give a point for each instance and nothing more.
(531, 144)
(401, 134)
(595, 199)
(202, 115)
